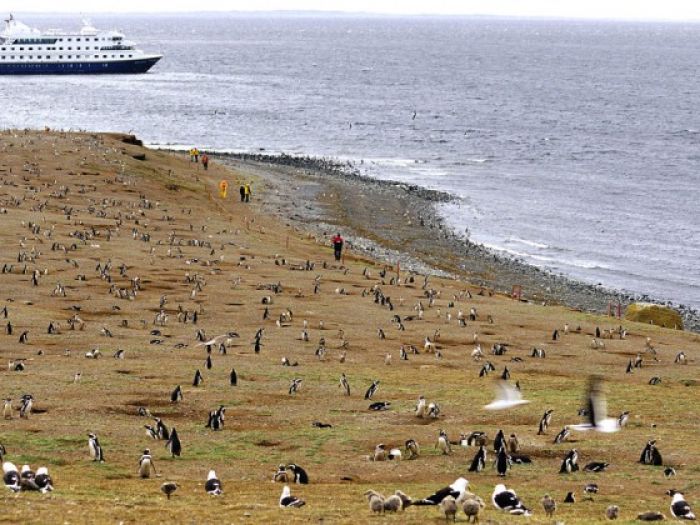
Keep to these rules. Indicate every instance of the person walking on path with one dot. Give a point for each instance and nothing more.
(196, 155)
(247, 192)
(205, 161)
(242, 192)
(337, 246)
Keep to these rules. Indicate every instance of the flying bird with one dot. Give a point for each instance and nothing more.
(597, 412)
(507, 396)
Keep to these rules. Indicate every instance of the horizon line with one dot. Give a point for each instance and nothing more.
(361, 14)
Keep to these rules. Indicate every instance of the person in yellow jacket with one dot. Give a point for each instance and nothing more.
(247, 192)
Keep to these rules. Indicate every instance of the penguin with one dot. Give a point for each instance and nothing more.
(503, 462)
(96, 452)
(7, 409)
(545, 422)
(623, 419)
(208, 363)
(479, 461)
(570, 498)
(11, 476)
(590, 489)
(570, 462)
(198, 379)
(213, 485)
(651, 455)
(499, 442)
(412, 449)
(233, 377)
(380, 405)
(679, 506)
(299, 474)
(25, 408)
(420, 407)
(294, 386)
(443, 443)
(344, 384)
(26, 479)
(176, 395)
(433, 410)
(513, 444)
(173, 445)
(151, 432)
(596, 466)
(562, 436)
(282, 475)
(161, 430)
(146, 465)
(669, 472)
(287, 500)
(505, 376)
(168, 488)
(372, 389)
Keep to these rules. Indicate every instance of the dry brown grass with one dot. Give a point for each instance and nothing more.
(265, 426)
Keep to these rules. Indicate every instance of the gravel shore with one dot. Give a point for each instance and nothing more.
(398, 223)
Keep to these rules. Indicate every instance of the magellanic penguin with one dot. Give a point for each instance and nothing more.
(7, 409)
(233, 377)
(173, 445)
(213, 485)
(161, 430)
(412, 449)
(372, 389)
(198, 379)
(570, 462)
(96, 452)
(26, 404)
(443, 443)
(287, 500)
(282, 475)
(499, 441)
(503, 462)
(300, 475)
(146, 465)
(344, 384)
(563, 434)
(176, 395)
(651, 455)
(479, 461)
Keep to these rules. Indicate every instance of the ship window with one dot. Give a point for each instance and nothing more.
(31, 49)
(97, 56)
(60, 48)
(104, 56)
(70, 48)
(77, 40)
(21, 49)
(60, 56)
(70, 39)
(130, 56)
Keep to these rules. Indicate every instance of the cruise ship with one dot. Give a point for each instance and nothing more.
(27, 51)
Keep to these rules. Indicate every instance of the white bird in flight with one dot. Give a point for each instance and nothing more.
(507, 396)
(598, 419)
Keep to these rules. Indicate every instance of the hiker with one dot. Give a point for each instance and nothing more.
(247, 192)
(191, 154)
(205, 161)
(337, 246)
(196, 155)
(242, 192)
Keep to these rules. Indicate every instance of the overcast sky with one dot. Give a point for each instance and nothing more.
(625, 9)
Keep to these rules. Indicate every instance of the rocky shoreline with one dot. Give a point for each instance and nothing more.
(398, 223)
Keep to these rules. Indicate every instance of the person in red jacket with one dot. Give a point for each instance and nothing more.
(337, 246)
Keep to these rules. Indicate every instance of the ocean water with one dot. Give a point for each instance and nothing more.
(574, 146)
